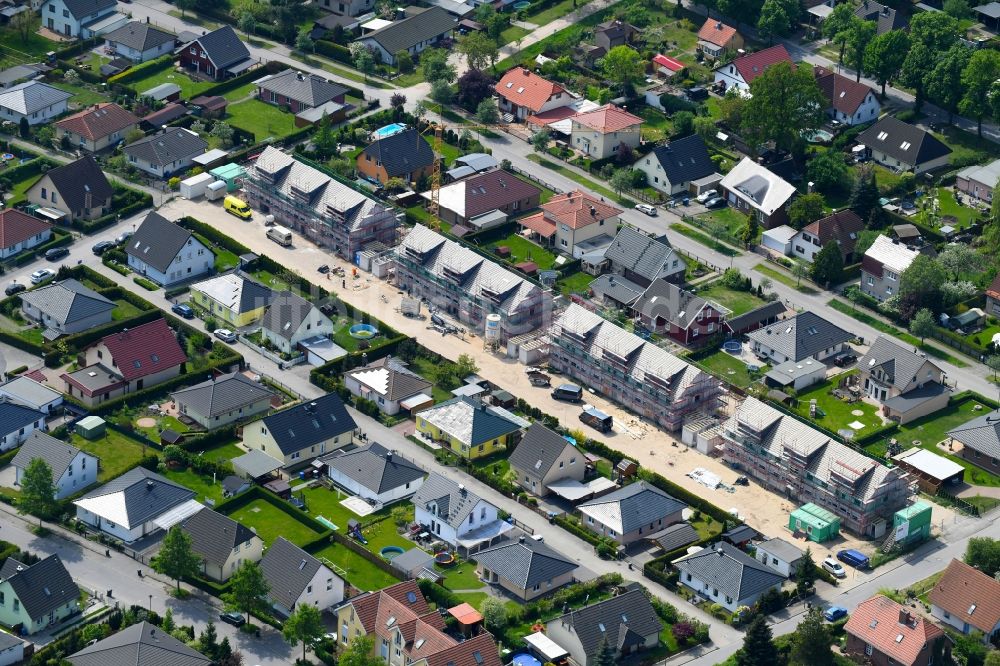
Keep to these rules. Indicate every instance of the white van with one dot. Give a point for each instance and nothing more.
(280, 235)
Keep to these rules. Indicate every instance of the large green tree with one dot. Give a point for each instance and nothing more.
(828, 171)
(479, 50)
(784, 102)
(623, 66)
(38, 491)
(247, 589)
(920, 286)
(837, 26)
(811, 642)
(978, 79)
(807, 572)
(983, 553)
(860, 35)
(305, 625)
(434, 66)
(176, 558)
(773, 21)
(943, 82)
(884, 56)
(828, 265)
(922, 324)
(605, 655)
(864, 195)
(758, 647)
(360, 652)
(931, 34)
(806, 209)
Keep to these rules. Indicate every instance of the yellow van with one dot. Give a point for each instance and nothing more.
(237, 207)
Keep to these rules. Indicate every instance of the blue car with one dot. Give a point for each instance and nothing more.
(834, 613)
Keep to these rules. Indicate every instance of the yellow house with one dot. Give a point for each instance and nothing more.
(232, 299)
(470, 428)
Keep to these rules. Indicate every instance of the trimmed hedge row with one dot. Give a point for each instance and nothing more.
(574, 527)
(142, 71)
(61, 238)
(334, 51)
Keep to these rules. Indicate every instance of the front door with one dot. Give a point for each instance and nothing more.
(66, 30)
(52, 24)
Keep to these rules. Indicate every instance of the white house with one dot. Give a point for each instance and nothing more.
(140, 41)
(882, 266)
(167, 253)
(20, 231)
(26, 391)
(290, 319)
(779, 555)
(726, 575)
(38, 102)
(72, 469)
(904, 147)
(296, 578)
(17, 422)
(672, 167)
(457, 516)
(965, 598)
(850, 102)
(740, 72)
(600, 133)
(375, 473)
(162, 155)
(389, 384)
(70, 18)
(804, 336)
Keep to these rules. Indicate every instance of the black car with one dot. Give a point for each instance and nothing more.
(324, 269)
(14, 288)
(235, 619)
(56, 253)
(102, 247)
(845, 360)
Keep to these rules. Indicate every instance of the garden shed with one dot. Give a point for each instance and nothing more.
(91, 427)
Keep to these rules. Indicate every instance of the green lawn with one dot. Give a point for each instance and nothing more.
(522, 249)
(117, 452)
(948, 206)
(200, 484)
(269, 279)
(550, 14)
(731, 369)
(189, 87)
(237, 94)
(581, 179)
(162, 423)
(124, 310)
(705, 240)
(27, 50)
(271, 522)
(461, 577)
(733, 220)
(512, 33)
(83, 94)
(577, 283)
(227, 451)
(656, 125)
(224, 259)
(426, 369)
(837, 413)
(263, 120)
(19, 189)
(358, 571)
(785, 278)
(740, 302)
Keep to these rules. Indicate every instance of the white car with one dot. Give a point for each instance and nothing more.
(834, 567)
(705, 196)
(225, 335)
(41, 275)
(647, 209)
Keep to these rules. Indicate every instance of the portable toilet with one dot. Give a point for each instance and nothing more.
(230, 174)
(216, 190)
(912, 524)
(91, 427)
(818, 524)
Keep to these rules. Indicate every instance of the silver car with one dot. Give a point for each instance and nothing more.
(225, 335)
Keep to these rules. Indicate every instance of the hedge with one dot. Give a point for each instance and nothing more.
(142, 71)
(440, 595)
(334, 51)
(148, 285)
(573, 526)
(18, 342)
(255, 493)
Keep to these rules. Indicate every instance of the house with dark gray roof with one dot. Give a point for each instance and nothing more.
(405, 155)
(389, 383)
(420, 30)
(218, 54)
(129, 506)
(71, 18)
(628, 622)
(375, 473)
(164, 154)
(142, 644)
(631, 513)
(642, 258)
(139, 41)
(167, 253)
(727, 576)
(72, 469)
(676, 536)
(904, 147)
(456, 515)
(296, 435)
(11, 648)
(526, 568)
(806, 335)
(298, 91)
(543, 457)
(222, 543)
(223, 400)
(78, 190)
(66, 307)
(290, 319)
(468, 427)
(906, 384)
(750, 321)
(296, 577)
(886, 18)
(672, 167)
(37, 596)
(17, 422)
(980, 440)
(615, 291)
(683, 316)
(780, 555)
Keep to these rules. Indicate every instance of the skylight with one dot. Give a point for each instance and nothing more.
(873, 623)
(905, 145)
(419, 643)
(899, 638)
(411, 597)
(972, 609)
(882, 136)
(478, 656)
(600, 626)
(391, 621)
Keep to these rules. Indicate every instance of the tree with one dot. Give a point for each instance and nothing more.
(970, 649)
(811, 641)
(828, 265)
(605, 655)
(466, 365)
(704, 126)
(434, 66)
(920, 286)
(992, 658)
(208, 642)
(623, 66)
(23, 127)
(247, 589)
(620, 180)
(404, 62)
(931, 34)
(990, 238)
(758, 648)
(828, 171)
(864, 195)
(26, 23)
(223, 132)
(784, 102)
(38, 491)
(922, 324)
(799, 271)
(487, 112)
(474, 87)
(364, 62)
(246, 22)
(837, 26)
(917, 65)
(683, 123)
(750, 230)
(961, 261)
(958, 9)
(806, 209)
(305, 624)
(45, 136)
(884, 56)
(540, 142)
(861, 33)
(773, 21)
(993, 363)
(176, 558)
(942, 81)
(479, 50)
(983, 553)
(494, 614)
(807, 573)
(360, 652)
(978, 79)
(731, 107)
(304, 42)
(441, 92)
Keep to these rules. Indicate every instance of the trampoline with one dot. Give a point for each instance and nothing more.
(524, 659)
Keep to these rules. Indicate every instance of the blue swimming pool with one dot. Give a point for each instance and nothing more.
(388, 130)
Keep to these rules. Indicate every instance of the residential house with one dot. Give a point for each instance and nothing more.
(523, 93)
(642, 258)
(164, 92)
(418, 31)
(979, 181)
(544, 457)
(129, 506)
(631, 513)
(325, 211)
(222, 543)
(72, 469)
(797, 375)
(605, 131)
(993, 297)
(614, 33)
(674, 537)
(882, 266)
(717, 40)
(526, 568)
(24, 390)
(848, 101)
(66, 307)
(882, 632)
(886, 18)
(17, 422)
(627, 622)
(967, 599)
(223, 400)
(681, 315)
(232, 298)
(33, 101)
(740, 72)
(70, 18)
(298, 91)
(672, 167)
(906, 384)
(754, 189)
(806, 335)
(297, 578)
(469, 428)
(343, 12)
(980, 440)
(764, 315)
(623, 367)
(218, 54)
(37, 596)
(19, 74)
(296, 435)
(573, 221)
(841, 227)
(141, 643)
(290, 319)
(486, 199)
(11, 649)
(140, 42)
(388, 383)
(404, 155)
(466, 285)
(168, 114)
(374, 473)
(904, 147)
(167, 253)
(167, 153)
(727, 576)
(20, 231)
(457, 516)
(126, 362)
(98, 127)
(785, 455)
(780, 555)
(74, 191)
(615, 291)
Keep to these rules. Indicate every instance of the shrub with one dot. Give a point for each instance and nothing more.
(148, 285)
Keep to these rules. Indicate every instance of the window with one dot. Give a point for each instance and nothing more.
(869, 649)
(472, 517)
(329, 584)
(309, 589)
(17, 604)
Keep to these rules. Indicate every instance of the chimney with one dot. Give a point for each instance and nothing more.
(904, 616)
(593, 212)
(718, 26)
(388, 455)
(149, 484)
(461, 488)
(520, 539)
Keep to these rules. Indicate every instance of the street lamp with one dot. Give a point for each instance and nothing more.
(151, 603)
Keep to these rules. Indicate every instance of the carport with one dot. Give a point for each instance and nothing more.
(255, 465)
(574, 491)
(931, 470)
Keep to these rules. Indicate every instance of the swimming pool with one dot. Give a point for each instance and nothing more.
(388, 130)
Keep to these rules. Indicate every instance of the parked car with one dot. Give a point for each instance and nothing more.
(235, 619)
(41, 275)
(834, 567)
(715, 202)
(845, 360)
(855, 558)
(183, 309)
(834, 613)
(14, 288)
(123, 236)
(56, 253)
(647, 209)
(102, 246)
(225, 335)
(705, 196)
(324, 269)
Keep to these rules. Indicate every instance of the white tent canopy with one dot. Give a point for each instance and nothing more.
(545, 646)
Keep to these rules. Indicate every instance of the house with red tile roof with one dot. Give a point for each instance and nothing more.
(842, 227)
(967, 599)
(881, 632)
(740, 72)
(993, 297)
(20, 231)
(850, 102)
(569, 221)
(99, 127)
(126, 362)
(523, 93)
(716, 39)
(665, 66)
(600, 133)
